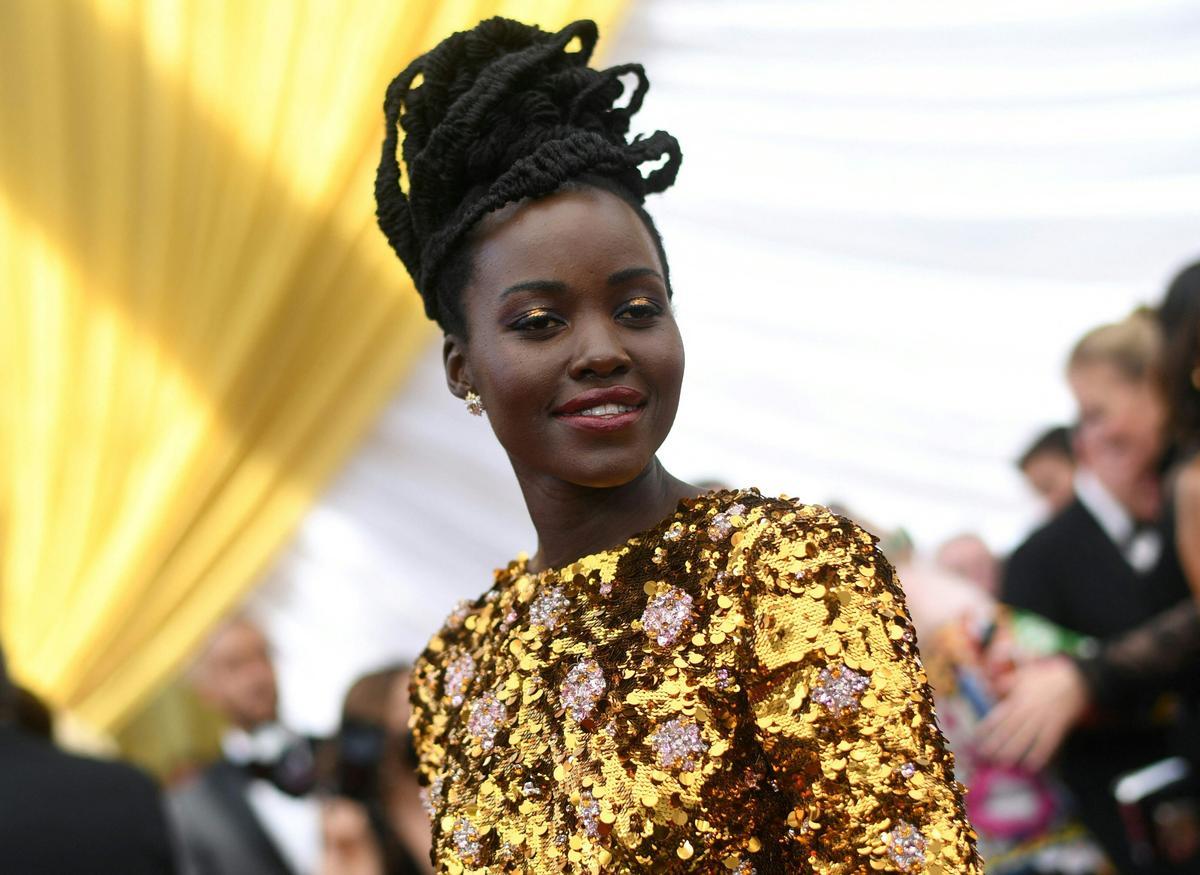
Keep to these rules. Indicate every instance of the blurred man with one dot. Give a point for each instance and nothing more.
(67, 814)
(1049, 468)
(252, 811)
(970, 558)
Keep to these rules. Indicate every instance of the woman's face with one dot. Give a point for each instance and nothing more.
(573, 346)
(1122, 422)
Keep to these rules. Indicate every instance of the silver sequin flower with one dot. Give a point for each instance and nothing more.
(677, 743)
(431, 796)
(459, 614)
(905, 845)
(582, 689)
(459, 673)
(839, 689)
(549, 608)
(487, 716)
(667, 615)
(721, 525)
(588, 812)
(466, 841)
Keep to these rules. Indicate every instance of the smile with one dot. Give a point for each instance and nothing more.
(606, 410)
(603, 410)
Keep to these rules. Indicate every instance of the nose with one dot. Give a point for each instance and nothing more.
(599, 352)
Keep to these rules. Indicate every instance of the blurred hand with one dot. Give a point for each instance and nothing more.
(350, 846)
(1043, 700)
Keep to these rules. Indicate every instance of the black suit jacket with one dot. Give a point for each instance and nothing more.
(1071, 572)
(64, 815)
(218, 832)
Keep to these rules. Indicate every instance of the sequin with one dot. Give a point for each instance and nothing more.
(905, 845)
(458, 615)
(549, 608)
(582, 689)
(459, 673)
(466, 841)
(487, 716)
(722, 524)
(678, 744)
(839, 689)
(667, 615)
(588, 812)
(582, 744)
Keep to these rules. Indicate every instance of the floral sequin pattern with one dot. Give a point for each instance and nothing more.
(678, 744)
(583, 687)
(466, 840)
(721, 524)
(733, 691)
(905, 846)
(667, 615)
(459, 673)
(549, 608)
(487, 718)
(839, 689)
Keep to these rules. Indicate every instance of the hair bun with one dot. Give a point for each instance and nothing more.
(497, 114)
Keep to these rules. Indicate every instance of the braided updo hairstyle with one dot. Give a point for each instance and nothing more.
(495, 115)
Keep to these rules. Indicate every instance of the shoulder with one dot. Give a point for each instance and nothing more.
(789, 545)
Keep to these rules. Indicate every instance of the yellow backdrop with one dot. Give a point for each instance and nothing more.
(197, 316)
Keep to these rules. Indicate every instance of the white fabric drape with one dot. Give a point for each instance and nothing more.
(892, 222)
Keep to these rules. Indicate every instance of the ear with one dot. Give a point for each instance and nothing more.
(454, 360)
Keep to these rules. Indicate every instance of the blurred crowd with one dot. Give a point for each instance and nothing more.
(1065, 673)
(272, 802)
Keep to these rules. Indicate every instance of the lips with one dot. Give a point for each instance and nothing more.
(603, 409)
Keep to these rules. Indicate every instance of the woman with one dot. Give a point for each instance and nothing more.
(675, 680)
(1047, 699)
(1093, 572)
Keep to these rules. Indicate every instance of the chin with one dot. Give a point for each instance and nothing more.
(606, 473)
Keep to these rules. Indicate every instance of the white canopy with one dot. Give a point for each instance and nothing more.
(892, 222)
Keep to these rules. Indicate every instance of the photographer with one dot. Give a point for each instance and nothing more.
(376, 823)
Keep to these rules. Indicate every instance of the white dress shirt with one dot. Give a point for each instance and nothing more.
(1141, 549)
(293, 823)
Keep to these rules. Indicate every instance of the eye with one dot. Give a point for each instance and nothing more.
(535, 321)
(639, 310)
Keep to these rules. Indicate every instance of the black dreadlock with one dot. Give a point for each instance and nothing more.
(502, 112)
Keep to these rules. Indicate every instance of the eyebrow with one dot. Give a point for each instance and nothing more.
(630, 273)
(621, 276)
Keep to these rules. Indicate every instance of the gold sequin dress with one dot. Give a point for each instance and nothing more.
(736, 690)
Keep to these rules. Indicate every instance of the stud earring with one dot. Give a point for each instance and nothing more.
(474, 403)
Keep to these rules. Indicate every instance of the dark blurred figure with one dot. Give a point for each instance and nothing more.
(380, 813)
(253, 810)
(63, 814)
(1049, 468)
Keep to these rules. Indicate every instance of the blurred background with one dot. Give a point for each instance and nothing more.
(218, 392)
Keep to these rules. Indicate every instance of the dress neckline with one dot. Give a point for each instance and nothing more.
(519, 567)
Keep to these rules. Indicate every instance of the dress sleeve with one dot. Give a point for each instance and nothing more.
(842, 708)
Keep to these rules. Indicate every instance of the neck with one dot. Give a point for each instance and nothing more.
(573, 521)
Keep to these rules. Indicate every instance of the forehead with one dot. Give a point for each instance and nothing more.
(571, 237)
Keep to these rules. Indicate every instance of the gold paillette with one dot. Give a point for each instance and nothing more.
(737, 690)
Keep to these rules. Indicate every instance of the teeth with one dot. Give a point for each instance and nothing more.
(606, 410)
